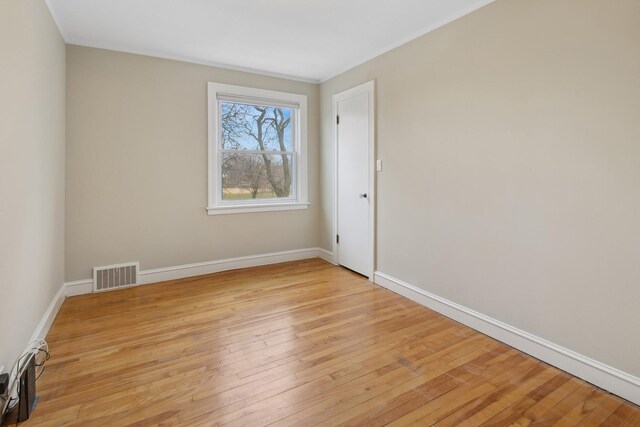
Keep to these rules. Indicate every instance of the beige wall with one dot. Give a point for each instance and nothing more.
(137, 166)
(511, 184)
(32, 92)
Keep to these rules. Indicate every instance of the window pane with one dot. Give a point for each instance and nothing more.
(254, 176)
(255, 127)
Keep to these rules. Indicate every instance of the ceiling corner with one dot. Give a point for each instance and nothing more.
(56, 19)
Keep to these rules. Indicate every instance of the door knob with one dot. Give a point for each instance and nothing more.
(363, 195)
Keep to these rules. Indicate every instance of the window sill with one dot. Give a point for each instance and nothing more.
(225, 210)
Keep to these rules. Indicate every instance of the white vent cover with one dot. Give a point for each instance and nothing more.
(116, 276)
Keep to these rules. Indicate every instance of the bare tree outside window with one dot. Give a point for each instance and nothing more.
(257, 151)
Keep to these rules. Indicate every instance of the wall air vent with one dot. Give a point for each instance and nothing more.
(117, 276)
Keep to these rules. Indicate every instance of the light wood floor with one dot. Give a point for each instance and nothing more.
(299, 344)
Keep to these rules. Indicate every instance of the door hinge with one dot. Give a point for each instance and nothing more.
(337, 120)
(337, 238)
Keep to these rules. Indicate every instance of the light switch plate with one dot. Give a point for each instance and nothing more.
(379, 165)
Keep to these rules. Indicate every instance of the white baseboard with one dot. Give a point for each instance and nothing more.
(597, 373)
(49, 316)
(198, 269)
(40, 332)
(327, 256)
(80, 287)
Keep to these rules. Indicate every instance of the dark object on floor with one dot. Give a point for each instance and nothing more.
(27, 394)
(4, 383)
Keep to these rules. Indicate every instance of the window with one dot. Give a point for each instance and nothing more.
(257, 150)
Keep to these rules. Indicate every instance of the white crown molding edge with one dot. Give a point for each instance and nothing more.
(171, 57)
(339, 70)
(449, 19)
(148, 52)
(597, 373)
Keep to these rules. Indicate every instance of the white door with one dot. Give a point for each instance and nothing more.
(354, 152)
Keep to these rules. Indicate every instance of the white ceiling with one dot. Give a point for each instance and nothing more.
(309, 40)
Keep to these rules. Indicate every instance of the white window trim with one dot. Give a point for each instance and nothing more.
(214, 206)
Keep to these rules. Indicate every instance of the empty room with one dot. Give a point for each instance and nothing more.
(320, 213)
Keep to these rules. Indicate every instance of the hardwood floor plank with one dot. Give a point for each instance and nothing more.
(296, 344)
(620, 416)
(393, 405)
(546, 402)
(604, 410)
(520, 378)
(514, 412)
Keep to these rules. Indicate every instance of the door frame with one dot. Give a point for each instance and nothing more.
(368, 88)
